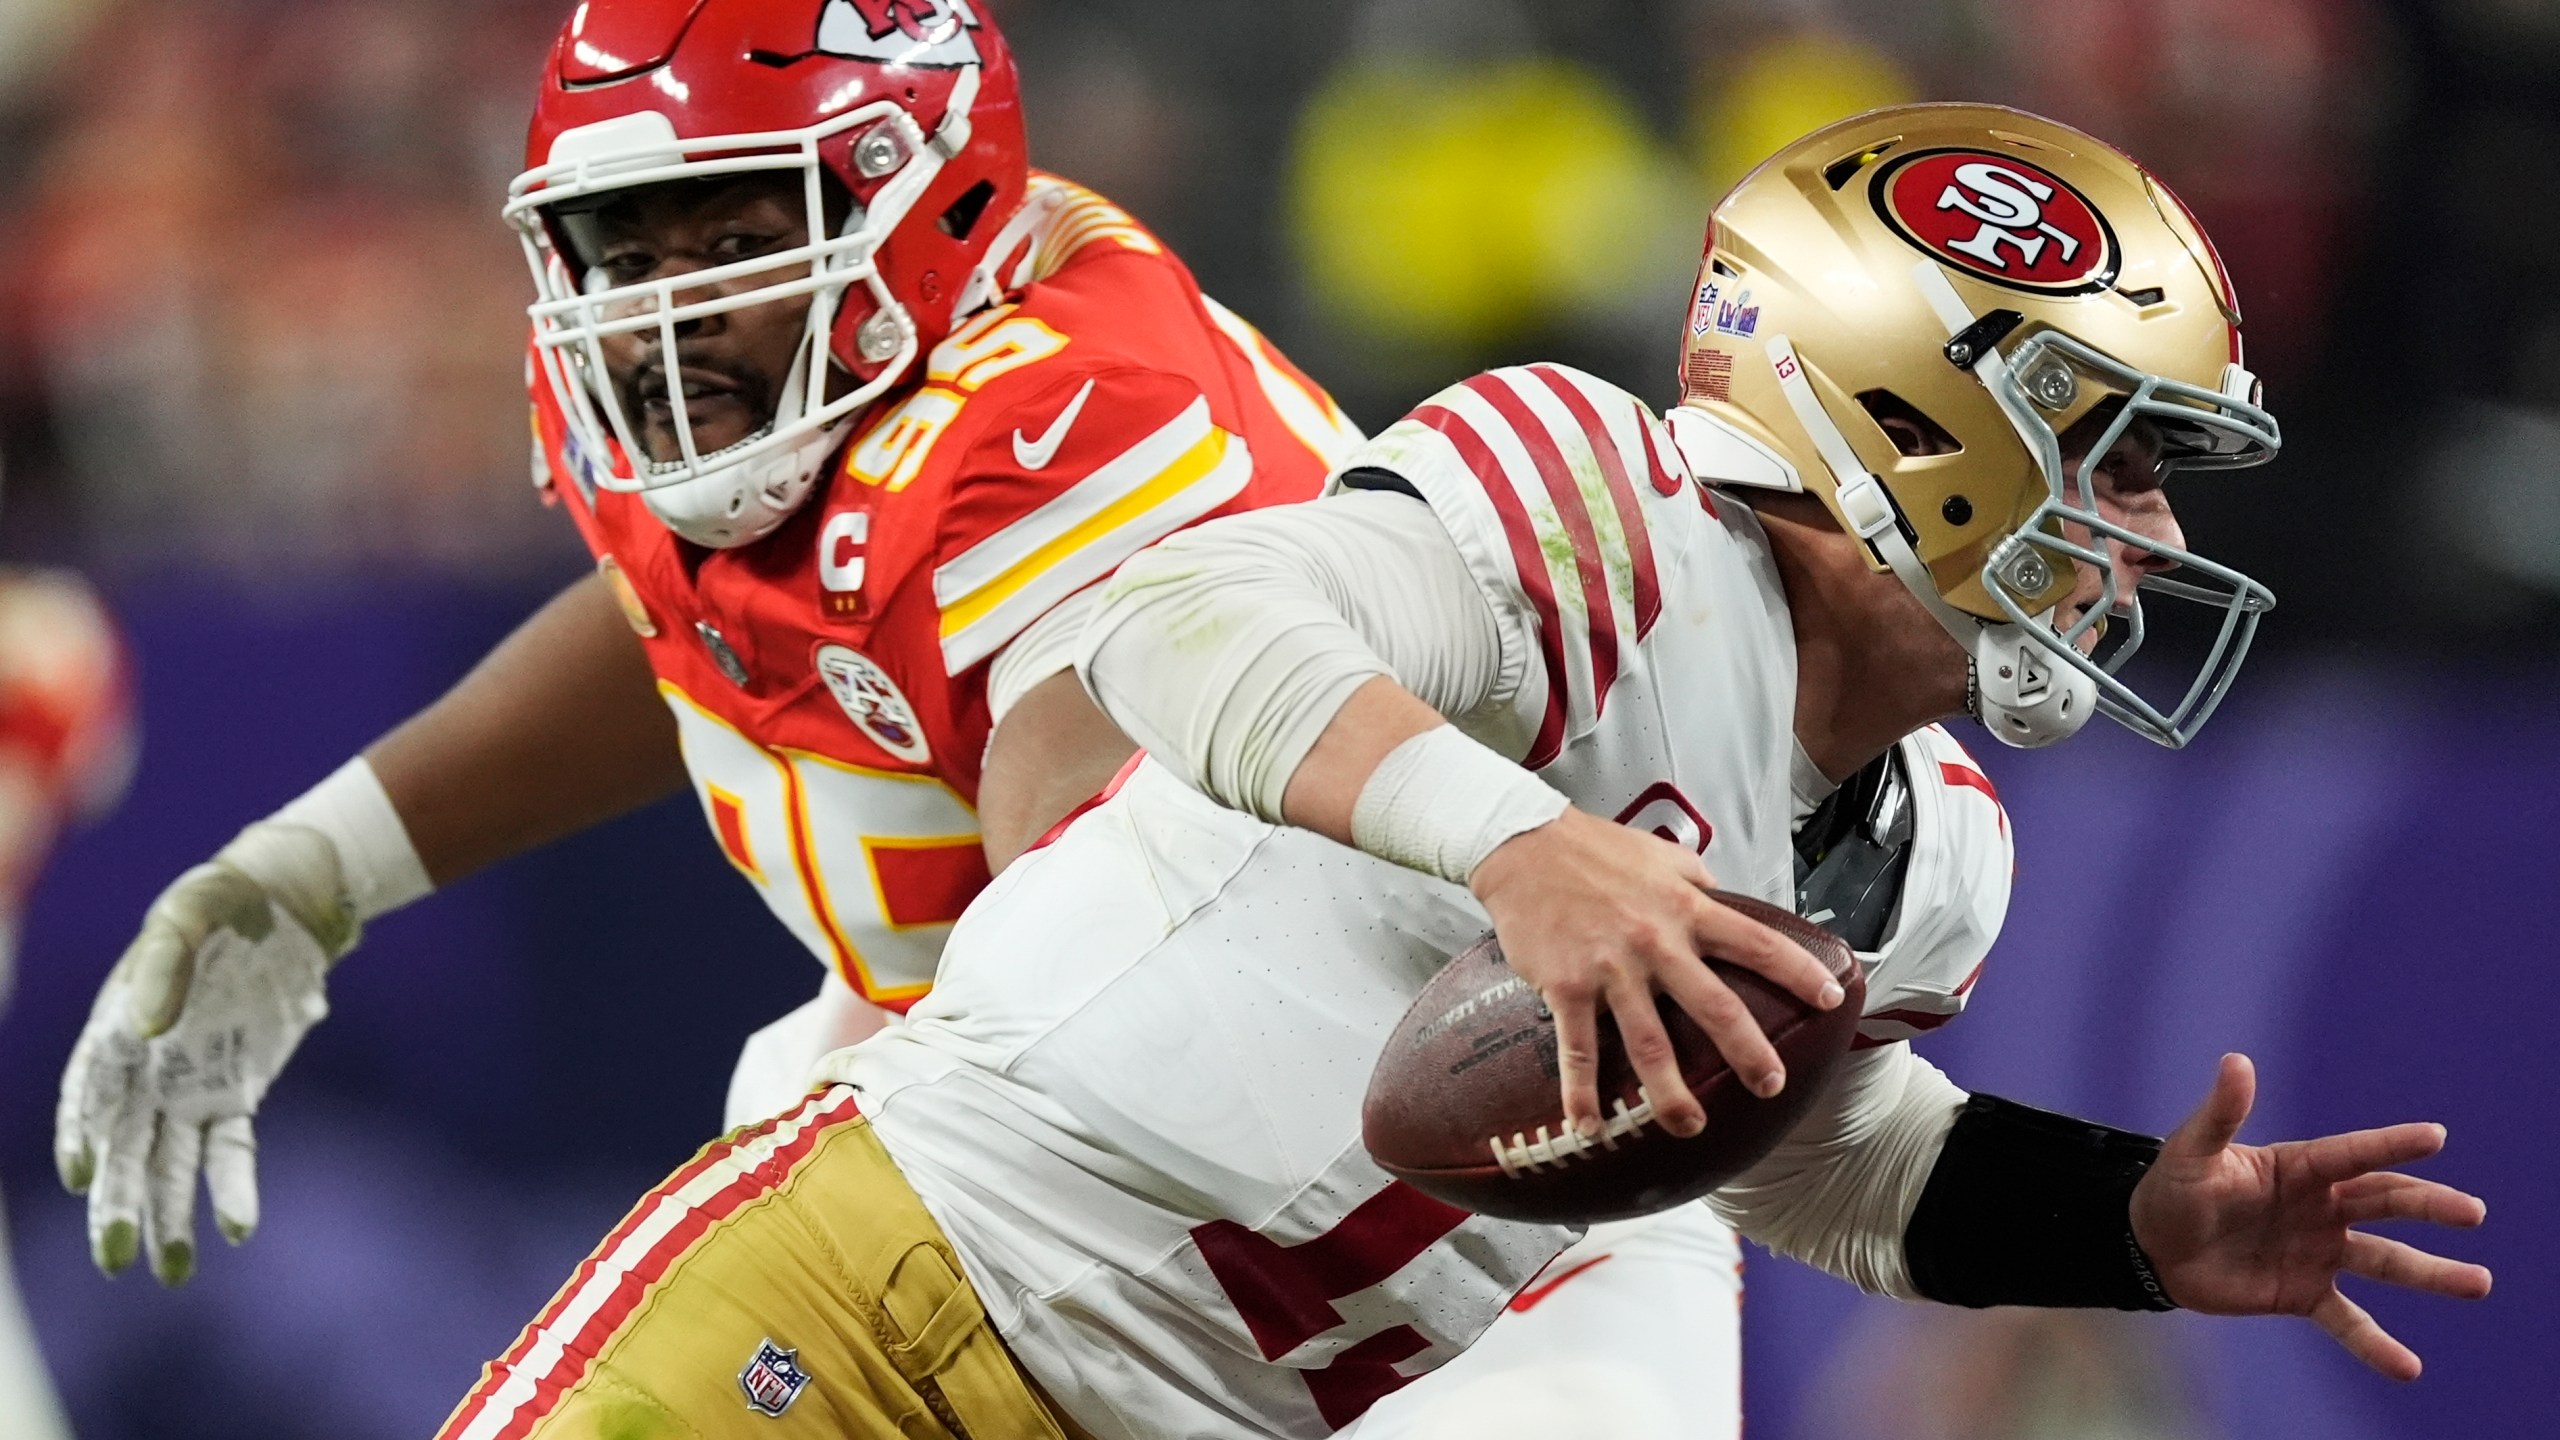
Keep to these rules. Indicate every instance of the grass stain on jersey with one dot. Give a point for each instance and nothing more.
(1617, 555)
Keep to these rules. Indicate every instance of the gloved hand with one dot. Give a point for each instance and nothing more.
(190, 1029)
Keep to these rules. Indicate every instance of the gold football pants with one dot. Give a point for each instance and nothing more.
(786, 1281)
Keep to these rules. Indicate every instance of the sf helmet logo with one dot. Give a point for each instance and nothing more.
(900, 32)
(2000, 218)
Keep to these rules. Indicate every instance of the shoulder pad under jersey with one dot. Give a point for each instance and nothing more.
(1517, 460)
(1910, 862)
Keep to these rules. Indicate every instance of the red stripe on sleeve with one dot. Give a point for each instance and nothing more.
(1922, 1020)
(1967, 777)
(1526, 558)
(1970, 779)
(1558, 478)
(1622, 492)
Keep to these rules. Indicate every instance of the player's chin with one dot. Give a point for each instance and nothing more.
(719, 421)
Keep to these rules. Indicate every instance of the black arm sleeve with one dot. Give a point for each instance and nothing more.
(2026, 1207)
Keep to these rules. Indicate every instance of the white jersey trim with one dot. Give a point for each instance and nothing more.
(989, 592)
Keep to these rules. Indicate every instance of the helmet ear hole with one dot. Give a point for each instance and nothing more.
(1910, 429)
(963, 214)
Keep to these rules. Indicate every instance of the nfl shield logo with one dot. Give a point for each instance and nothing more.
(773, 1379)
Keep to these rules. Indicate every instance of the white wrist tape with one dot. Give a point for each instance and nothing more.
(376, 863)
(1439, 803)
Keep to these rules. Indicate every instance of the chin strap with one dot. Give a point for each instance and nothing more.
(732, 507)
(2015, 690)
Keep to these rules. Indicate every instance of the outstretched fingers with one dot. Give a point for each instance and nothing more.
(169, 1201)
(2393, 1263)
(2350, 1326)
(231, 1176)
(2385, 1195)
(2216, 1122)
(117, 1195)
(2333, 1158)
(75, 1156)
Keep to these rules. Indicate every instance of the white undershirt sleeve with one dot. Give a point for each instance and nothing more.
(1227, 648)
(1838, 1192)
(1045, 647)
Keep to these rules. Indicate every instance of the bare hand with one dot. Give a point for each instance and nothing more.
(2264, 1230)
(1591, 912)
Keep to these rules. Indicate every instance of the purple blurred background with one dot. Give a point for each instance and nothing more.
(259, 374)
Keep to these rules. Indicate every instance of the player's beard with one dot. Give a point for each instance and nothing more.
(725, 403)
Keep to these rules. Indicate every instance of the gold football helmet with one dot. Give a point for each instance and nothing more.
(1985, 279)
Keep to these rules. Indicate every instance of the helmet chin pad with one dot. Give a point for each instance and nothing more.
(724, 503)
(732, 505)
(2021, 694)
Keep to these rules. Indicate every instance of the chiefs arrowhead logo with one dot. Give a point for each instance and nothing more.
(900, 32)
(873, 702)
(1999, 218)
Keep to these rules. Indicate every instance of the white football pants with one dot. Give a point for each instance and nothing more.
(772, 1073)
(1634, 1334)
(28, 1409)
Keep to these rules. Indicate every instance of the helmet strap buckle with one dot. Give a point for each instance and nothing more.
(1982, 337)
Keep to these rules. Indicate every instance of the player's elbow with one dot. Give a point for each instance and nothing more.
(1175, 608)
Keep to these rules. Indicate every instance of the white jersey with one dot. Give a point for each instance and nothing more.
(1133, 1098)
(1659, 675)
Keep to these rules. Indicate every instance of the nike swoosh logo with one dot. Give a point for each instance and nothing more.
(1527, 1300)
(1036, 454)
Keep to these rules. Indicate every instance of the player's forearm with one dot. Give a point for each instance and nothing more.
(1904, 1185)
(558, 729)
(1324, 791)
(1220, 651)
(1276, 659)
(1839, 1192)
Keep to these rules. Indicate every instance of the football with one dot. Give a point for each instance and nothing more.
(1464, 1107)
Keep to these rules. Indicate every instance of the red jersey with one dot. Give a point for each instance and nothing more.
(67, 738)
(830, 681)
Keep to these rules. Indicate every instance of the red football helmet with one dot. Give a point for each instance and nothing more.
(904, 117)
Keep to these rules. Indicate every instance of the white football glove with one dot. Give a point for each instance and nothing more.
(190, 1029)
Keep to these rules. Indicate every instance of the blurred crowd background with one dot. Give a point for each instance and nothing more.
(260, 376)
